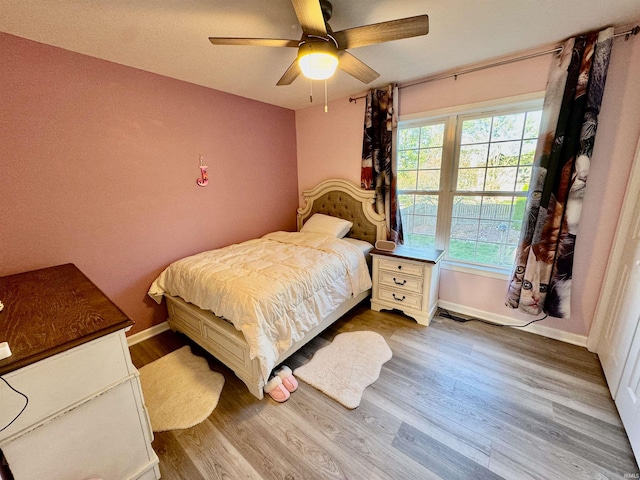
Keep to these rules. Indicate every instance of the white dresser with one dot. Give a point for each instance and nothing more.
(85, 417)
(406, 279)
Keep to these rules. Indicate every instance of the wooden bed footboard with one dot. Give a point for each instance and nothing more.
(221, 339)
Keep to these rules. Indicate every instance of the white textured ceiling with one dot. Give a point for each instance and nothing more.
(170, 37)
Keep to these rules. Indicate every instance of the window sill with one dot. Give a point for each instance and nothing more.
(481, 271)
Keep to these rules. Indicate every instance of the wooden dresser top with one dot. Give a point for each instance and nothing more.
(51, 310)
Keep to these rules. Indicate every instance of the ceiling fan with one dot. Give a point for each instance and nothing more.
(321, 50)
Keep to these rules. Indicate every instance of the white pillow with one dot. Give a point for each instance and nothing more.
(363, 245)
(319, 223)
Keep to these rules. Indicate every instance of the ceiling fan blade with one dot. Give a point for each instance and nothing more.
(260, 42)
(382, 32)
(310, 17)
(357, 68)
(290, 75)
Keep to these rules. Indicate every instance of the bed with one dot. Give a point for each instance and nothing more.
(233, 341)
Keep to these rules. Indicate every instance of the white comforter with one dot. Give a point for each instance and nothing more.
(274, 289)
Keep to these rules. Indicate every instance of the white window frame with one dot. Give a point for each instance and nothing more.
(451, 116)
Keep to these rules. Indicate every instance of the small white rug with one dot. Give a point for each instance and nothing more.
(345, 367)
(180, 390)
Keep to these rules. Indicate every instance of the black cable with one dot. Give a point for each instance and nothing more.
(26, 402)
(448, 315)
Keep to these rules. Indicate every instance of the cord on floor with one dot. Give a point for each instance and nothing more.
(444, 313)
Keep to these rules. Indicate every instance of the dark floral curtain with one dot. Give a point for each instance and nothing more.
(378, 171)
(541, 280)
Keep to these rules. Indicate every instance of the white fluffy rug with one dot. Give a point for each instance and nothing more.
(179, 390)
(344, 368)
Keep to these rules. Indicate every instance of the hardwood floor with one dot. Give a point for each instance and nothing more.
(456, 401)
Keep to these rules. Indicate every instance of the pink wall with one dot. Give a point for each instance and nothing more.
(334, 148)
(329, 144)
(99, 168)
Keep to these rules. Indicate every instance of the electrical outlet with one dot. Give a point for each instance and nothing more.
(5, 351)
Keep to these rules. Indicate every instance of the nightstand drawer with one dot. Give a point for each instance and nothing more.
(400, 282)
(400, 266)
(403, 299)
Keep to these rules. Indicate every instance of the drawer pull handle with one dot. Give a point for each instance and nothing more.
(398, 299)
(397, 282)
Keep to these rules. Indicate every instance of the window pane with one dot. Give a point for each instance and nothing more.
(519, 208)
(492, 235)
(476, 130)
(406, 205)
(419, 157)
(431, 158)
(501, 179)
(473, 155)
(532, 124)
(466, 207)
(431, 135)
(424, 225)
(464, 229)
(514, 234)
(508, 255)
(524, 179)
(507, 127)
(407, 179)
(408, 160)
(419, 214)
(471, 179)
(504, 154)
(409, 138)
(496, 208)
(428, 179)
(493, 232)
(462, 250)
(490, 253)
(528, 152)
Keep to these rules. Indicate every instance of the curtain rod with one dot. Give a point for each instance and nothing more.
(634, 31)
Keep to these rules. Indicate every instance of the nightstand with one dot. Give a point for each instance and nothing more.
(406, 279)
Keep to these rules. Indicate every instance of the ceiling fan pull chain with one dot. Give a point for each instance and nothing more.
(310, 91)
(326, 106)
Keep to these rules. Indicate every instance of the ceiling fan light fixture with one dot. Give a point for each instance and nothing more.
(318, 60)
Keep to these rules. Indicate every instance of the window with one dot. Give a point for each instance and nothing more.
(463, 180)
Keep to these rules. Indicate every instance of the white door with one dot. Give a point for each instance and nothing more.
(624, 308)
(628, 398)
(615, 334)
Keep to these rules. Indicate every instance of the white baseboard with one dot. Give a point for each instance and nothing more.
(572, 338)
(567, 337)
(148, 333)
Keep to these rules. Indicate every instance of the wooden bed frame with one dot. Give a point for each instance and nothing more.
(338, 198)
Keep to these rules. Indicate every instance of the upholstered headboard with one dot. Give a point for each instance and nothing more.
(343, 199)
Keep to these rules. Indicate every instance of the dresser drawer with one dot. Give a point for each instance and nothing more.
(399, 266)
(60, 382)
(402, 299)
(400, 282)
(106, 437)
